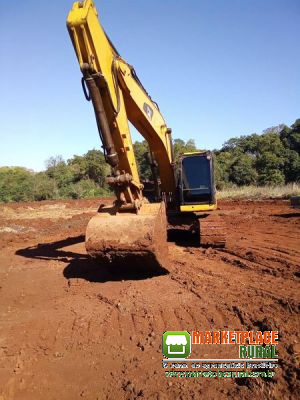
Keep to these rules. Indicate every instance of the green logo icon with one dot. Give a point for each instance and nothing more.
(176, 344)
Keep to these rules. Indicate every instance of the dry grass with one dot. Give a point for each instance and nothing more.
(48, 211)
(260, 192)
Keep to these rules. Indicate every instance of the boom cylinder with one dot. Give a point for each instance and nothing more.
(102, 123)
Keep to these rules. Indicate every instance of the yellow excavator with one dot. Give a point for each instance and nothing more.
(133, 230)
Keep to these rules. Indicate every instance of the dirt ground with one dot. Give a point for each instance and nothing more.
(70, 329)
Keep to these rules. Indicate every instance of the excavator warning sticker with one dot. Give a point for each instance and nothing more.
(148, 110)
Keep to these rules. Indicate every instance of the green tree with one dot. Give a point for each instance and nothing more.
(291, 166)
(222, 164)
(58, 170)
(242, 171)
(91, 165)
(142, 156)
(43, 187)
(271, 143)
(180, 147)
(16, 184)
(272, 177)
(269, 159)
(97, 168)
(269, 167)
(290, 137)
(85, 188)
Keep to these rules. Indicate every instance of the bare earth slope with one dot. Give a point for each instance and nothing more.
(70, 329)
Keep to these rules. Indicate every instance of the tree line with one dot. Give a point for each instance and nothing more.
(268, 159)
(78, 177)
(272, 158)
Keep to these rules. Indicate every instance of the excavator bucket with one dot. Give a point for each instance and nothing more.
(123, 238)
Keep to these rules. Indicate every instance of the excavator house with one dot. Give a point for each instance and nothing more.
(133, 230)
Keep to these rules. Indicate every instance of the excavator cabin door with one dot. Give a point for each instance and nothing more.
(196, 186)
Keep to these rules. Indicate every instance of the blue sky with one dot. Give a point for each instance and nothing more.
(217, 68)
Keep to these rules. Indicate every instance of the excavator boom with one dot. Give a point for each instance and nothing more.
(118, 97)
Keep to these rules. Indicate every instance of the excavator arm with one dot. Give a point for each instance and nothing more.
(118, 96)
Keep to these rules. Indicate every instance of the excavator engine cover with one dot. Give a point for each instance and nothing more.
(131, 239)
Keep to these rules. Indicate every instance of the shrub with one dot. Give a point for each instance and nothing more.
(16, 184)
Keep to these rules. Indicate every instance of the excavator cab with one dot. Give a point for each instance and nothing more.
(196, 186)
(197, 198)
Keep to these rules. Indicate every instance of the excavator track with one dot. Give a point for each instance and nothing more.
(129, 239)
(212, 231)
(295, 201)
